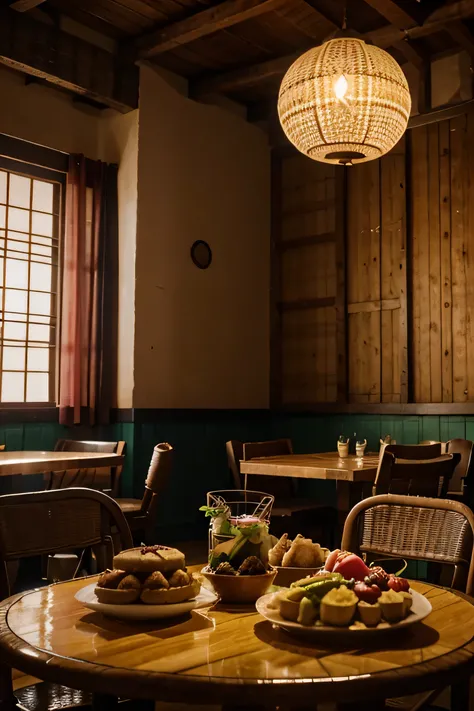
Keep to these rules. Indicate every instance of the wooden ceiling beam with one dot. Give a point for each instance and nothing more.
(204, 23)
(462, 36)
(411, 53)
(25, 5)
(395, 14)
(384, 37)
(42, 50)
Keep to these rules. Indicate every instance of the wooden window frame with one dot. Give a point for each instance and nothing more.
(31, 160)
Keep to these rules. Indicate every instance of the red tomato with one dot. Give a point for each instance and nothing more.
(351, 566)
(331, 560)
(398, 584)
(367, 593)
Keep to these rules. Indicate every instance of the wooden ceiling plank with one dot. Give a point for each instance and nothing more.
(44, 51)
(202, 24)
(25, 5)
(384, 37)
(395, 14)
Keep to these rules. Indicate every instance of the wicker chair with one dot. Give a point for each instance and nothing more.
(44, 522)
(141, 513)
(415, 528)
(461, 484)
(105, 479)
(428, 477)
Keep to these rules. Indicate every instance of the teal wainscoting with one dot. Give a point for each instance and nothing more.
(199, 440)
(200, 464)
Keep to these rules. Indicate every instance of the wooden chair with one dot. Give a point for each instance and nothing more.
(428, 477)
(48, 522)
(461, 484)
(416, 528)
(106, 479)
(429, 450)
(141, 513)
(287, 504)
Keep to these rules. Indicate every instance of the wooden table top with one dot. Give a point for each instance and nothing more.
(224, 653)
(39, 462)
(327, 465)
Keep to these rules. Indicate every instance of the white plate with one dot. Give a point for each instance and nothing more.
(420, 609)
(138, 611)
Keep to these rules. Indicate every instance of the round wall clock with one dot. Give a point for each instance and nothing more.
(201, 254)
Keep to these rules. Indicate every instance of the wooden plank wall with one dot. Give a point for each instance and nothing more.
(403, 271)
(442, 176)
(307, 260)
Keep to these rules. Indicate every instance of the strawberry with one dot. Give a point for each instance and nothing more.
(398, 584)
(367, 593)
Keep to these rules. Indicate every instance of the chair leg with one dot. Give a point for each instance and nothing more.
(7, 699)
(460, 694)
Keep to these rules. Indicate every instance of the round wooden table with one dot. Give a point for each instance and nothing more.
(229, 655)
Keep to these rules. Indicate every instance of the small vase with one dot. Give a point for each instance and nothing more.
(360, 448)
(343, 449)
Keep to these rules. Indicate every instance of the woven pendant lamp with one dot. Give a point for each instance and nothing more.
(344, 102)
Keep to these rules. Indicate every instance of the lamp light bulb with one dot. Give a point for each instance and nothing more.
(340, 87)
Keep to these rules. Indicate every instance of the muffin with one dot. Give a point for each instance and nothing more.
(338, 606)
(392, 606)
(369, 614)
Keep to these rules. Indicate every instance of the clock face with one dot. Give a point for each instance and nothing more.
(201, 254)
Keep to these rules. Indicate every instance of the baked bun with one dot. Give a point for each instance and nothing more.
(124, 596)
(163, 596)
(147, 559)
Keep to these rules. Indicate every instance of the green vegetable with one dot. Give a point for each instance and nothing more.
(307, 613)
(212, 511)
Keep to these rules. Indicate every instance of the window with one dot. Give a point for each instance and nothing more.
(30, 221)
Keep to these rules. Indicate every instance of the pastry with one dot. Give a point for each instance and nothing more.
(338, 606)
(147, 559)
(290, 604)
(275, 554)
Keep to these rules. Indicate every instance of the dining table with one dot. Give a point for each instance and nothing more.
(231, 655)
(32, 462)
(354, 476)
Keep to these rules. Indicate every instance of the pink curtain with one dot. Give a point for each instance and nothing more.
(89, 289)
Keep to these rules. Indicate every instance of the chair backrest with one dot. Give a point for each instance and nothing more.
(464, 471)
(279, 487)
(235, 453)
(44, 522)
(414, 451)
(157, 477)
(105, 479)
(428, 477)
(417, 528)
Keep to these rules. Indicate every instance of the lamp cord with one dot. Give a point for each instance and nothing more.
(344, 15)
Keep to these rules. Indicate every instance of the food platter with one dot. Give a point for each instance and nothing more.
(87, 597)
(267, 606)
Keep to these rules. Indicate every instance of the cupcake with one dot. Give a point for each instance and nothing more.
(370, 615)
(290, 604)
(338, 606)
(392, 606)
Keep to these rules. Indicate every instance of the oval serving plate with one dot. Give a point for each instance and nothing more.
(421, 608)
(138, 611)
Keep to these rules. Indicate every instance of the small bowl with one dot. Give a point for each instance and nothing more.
(286, 576)
(240, 588)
